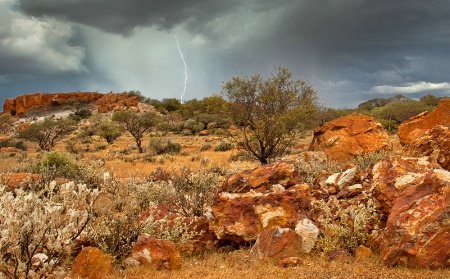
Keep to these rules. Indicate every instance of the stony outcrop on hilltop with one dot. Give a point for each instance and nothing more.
(41, 102)
(344, 138)
(417, 125)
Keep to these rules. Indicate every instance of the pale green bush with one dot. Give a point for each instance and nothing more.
(343, 228)
(41, 222)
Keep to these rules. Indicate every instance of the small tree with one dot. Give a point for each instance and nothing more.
(109, 130)
(48, 133)
(137, 124)
(269, 111)
(5, 120)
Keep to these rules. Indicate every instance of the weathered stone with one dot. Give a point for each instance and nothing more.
(38, 260)
(116, 101)
(392, 175)
(276, 244)
(347, 137)
(415, 126)
(418, 228)
(262, 178)
(42, 102)
(308, 232)
(350, 192)
(91, 263)
(338, 255)
(435, 143)
(18, 180)
(344, 179)
(242, 217)
(155, 253)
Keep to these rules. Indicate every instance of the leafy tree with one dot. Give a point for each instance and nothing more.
(109, 130)
(48, 133)
(431, 100)
(137, 124)
(269, 111)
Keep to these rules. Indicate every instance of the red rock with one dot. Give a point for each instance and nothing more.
(262, 178)
(241, 217)
(23, 104)
(392, 175)
(435, 143)
(347, 137)
(116, 101)
(276, 244)
(23, 126)
(415, 126)
(338, 255)
(155, 253)
(21, 179)
(91, 263)
(418, 228)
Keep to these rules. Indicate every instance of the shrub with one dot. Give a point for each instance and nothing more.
(343, 227)
(60, 164)
(162, 146)
(194, 191)
(12, 142)
(205, 147)
(223, 146)
(369, 158)
(41, 224)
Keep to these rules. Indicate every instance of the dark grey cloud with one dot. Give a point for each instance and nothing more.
(348, 50)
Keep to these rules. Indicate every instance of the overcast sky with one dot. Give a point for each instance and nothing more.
(348, 50)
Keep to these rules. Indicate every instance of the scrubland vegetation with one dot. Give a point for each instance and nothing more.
(100, 174)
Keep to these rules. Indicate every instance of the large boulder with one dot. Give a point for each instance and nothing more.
(435, 143)
(277, 244)
(415, 126)
(91, 263)
(345, 138)
(241, 217)
(262, 178)
(418, 228)
(394, 174)
(158, 254)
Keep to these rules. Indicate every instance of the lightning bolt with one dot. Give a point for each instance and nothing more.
(185, 67)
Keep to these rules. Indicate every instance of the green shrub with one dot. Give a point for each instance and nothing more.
(223, 145)
(60, 164)
(163, 145)
(205, 147)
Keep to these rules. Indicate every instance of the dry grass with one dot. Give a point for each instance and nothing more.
(237, 264)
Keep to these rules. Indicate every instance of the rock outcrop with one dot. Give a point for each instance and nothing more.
(262, 178)
(241, 217)
(418, 226)
(38, 103)
(347, 137)
(417, 125)
(155, 253)
(434, 143)
(91, 263)
(276, 244)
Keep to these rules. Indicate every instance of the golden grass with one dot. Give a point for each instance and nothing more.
(237, 264)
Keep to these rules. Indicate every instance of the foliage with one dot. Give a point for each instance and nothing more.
(5, 120)
(163, 145)
(136, 123)
(343, 227)
(109, 130)
(194, 191)
(47, 133)
(12, 142)
(269, 111)
(40, 224)
(223, 146)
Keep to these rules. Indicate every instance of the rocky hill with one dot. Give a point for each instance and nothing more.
(41, 103)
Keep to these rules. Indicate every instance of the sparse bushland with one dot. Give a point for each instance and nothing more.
(158, 146)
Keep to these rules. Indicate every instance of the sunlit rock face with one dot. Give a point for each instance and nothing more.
(417, 125)
(345, 138)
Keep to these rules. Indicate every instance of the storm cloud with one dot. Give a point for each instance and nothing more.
(349, 51)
